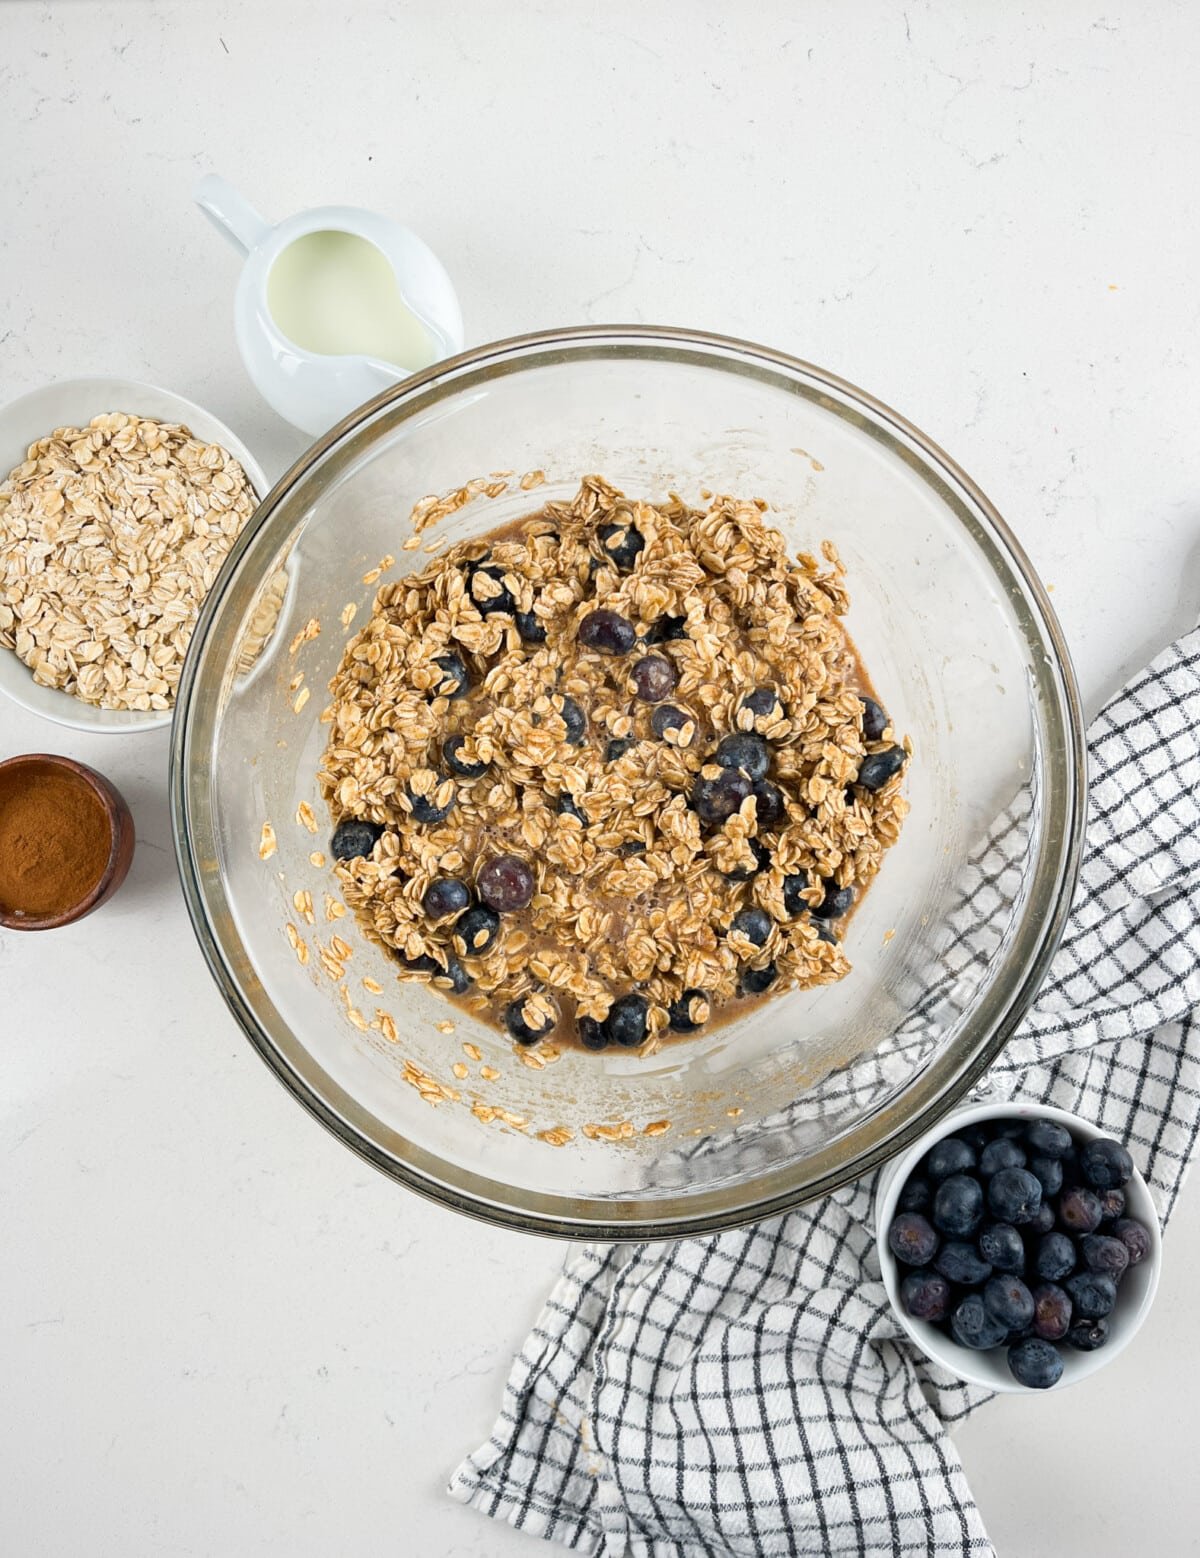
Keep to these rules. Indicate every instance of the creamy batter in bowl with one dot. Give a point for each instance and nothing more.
(804, 1091)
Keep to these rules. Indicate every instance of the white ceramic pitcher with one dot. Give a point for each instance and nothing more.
(313, 390)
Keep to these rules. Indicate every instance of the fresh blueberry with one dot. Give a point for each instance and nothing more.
(455, 976)
(592, 1034)
(1011, 1130)
(567, 806)
(1043, 1219)
(1092, 1294)
(626, 1020)
(925, 1295)
(1009, 1300)
(962, 1263)
(456, 679)
(488, 590)
(531, 627)
(682, 1014)
(621, 544)
(770, 804)
(1051, 1312)
(1105, 1164)
(716, 799)
(1055, 1256)
(917, 1196)
(753, 923)
(1079, 1210)
(1048, 1139)
(632, 847)
(421, 964)
(1048, 1173)
(665, 630)
(1088, 1335)
(616, 748)
(444, 896)
(476, 930)
(1035, 1364)
(793, 886)
(972, 1326)
(761, 704)
(836, 902)
(354, 839)
(575, 720)
(879, 767)
(506, 883)
(825, 931)
(949, 1156)
(958, 1206)
(1112, 1203)
(975, 1136)
(427, 809)
(1014, 1195)
(607, 632)
(1002, 1246)
(1105, 1255)
(755, 981)
(654, 678)
(1000, 1154)
(875, 720)
(456, 763)
(912, 1240)
(1134, 1237)
(667, 717)
(746, 752)
(762, 860)
(516, 1022)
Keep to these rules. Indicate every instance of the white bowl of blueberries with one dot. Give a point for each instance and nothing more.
(1019, 1245)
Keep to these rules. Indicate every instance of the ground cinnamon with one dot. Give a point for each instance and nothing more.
(55, 841)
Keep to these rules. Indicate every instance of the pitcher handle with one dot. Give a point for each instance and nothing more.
(230, 212)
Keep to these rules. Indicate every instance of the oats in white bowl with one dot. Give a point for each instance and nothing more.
(111, 535)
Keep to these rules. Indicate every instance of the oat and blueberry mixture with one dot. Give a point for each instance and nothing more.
(611, 770)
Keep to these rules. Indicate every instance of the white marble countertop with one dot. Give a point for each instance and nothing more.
(219, 1332)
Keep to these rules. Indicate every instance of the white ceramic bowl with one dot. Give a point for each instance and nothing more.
(73, 403)
(990, 1369)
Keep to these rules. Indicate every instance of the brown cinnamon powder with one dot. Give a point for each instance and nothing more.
(55, 842)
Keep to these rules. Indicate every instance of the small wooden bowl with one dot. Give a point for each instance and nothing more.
(31, 766)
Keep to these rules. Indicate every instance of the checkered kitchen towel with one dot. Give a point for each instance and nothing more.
(747, 1393)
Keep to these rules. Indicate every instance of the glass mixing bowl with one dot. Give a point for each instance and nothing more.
(810, 1089)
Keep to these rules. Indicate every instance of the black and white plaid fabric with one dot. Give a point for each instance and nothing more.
(747, 1393)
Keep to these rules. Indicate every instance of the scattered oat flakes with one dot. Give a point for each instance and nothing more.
(306, 634)
(532, 479)
(295, 681)
(357, 1018)
(559, 1136)
(488, 1073)
(472, 1051)
(372, 985)
(656, 1128)
(302, 698)
(445, 1026)
(306, 817)
(386, 1026)
(460, 1071)
(266, 842)
(316, 859)
(334, 908)
(302, 902)
(299, 947)
(349, 611)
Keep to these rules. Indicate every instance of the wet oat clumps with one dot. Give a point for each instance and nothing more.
(653, 716)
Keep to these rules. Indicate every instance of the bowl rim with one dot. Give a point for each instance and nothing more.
(66, 708)
(885, 1133)
(120, 826)
(941, 1349)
